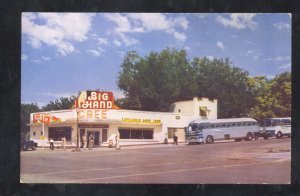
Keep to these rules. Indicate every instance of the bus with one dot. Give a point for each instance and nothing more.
(278, 127)
(207, 131)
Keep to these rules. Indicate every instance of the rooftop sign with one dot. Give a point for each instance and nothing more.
(45, 118)
(95, 100)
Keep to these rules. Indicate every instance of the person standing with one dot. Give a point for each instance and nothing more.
(51, 144)
(84, 141)
(63, 143)
(175, 138)
(91, 141)
(117, 141)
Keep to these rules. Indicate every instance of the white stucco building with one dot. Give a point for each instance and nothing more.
(133, 127)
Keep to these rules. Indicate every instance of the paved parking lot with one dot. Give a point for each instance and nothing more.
(253, 162)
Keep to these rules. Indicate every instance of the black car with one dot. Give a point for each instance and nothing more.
(28, 144)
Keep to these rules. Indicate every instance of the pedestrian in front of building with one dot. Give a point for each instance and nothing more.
(91, 142)
(63, 143)
(175, 139)
(117, 142)
(84, 141)
(51, 144)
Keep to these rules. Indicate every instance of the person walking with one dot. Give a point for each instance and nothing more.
(91, 142)
(51, 144)
(63, 143)
(84, 141)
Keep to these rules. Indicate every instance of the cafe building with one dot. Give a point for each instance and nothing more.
(94, 113)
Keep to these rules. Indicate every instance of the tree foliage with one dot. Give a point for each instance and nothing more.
(272, 97)
(26, 109)
(154, 82)
(60, 104)
(219, 79)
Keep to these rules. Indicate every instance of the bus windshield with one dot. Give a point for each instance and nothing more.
(270, 122)
(197, 127)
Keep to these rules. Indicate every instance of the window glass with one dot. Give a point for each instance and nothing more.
(124, 133)
(130, 133)
(147, 134)
(56, 133)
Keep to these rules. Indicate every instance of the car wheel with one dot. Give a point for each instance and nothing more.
(209, 139)
(249, 137)
(266, 137)
(279, 134)
(33, 148)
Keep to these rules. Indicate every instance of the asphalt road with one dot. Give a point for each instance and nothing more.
(252, 162)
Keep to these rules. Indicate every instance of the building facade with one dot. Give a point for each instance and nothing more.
(132, 127)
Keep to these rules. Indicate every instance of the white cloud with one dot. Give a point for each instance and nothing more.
(284, 66)
(37, 61)
(270, 76)
(56, 29)
(252, 53)
(45, 58)
(24, 57)
(102, 41)
(201, 16)
(146, 22)
(279, 58)
(282, 26)
(238, 21)
(117, 43)
(220, 45)
(94, 52)
(210, 57)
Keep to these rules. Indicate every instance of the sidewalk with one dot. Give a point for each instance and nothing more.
(105, 148)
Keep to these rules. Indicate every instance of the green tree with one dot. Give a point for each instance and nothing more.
(155, 81)
(60, 104)
(272, 97)
(281, 88)
(217, 78)
(26, 109)
(264, 99)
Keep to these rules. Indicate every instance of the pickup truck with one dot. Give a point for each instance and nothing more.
(28, 144)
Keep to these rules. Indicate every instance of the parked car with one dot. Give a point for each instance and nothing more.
(28, 144)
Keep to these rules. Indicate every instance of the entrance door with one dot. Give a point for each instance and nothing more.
(96, 137)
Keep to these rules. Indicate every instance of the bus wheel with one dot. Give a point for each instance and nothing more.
(249, 137)
(279, 134)
(209, 139)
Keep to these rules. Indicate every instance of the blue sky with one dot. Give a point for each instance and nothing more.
(63, 53)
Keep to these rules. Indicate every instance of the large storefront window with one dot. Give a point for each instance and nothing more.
(130, 133)
(56, 133)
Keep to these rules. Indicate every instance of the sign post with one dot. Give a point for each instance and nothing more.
(77, 142)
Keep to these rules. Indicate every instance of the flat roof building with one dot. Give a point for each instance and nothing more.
(133, 127)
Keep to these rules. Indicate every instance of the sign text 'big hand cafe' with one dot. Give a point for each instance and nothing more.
(94, 104)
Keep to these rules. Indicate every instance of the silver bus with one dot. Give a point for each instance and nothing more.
(278, 127)
(207, 131)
